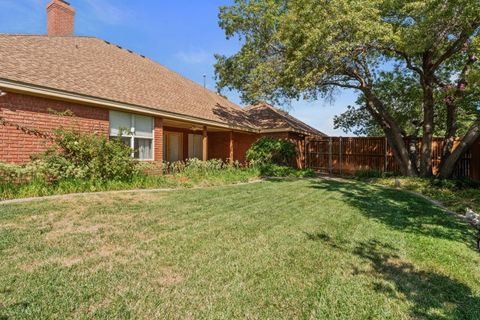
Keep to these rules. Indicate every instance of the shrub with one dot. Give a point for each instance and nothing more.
(90, 156)
(272, 151)
(273, 170)
(74, 155)
(188, 167)
(456, 184)
(12, 173)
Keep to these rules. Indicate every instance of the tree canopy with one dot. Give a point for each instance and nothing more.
(409, 59)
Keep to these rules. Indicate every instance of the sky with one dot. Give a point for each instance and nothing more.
(182, 35)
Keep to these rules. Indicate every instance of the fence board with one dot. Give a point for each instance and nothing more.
(340, 155)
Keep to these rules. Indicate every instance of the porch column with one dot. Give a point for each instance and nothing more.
(205, 144)
(158, 140)
(231, 148)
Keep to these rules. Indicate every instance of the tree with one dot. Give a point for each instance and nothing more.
(401, 96)
(403, 99)
(307, 48)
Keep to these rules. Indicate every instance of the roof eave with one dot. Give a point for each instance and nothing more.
(289, 129)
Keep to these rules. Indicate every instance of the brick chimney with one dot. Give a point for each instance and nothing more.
(60, 18)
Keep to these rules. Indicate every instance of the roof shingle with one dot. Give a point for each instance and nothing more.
(96, 68)
(266, 116)
(93, 67)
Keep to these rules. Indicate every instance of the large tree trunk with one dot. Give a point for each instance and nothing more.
(451, 105)
(451, 132)
(428, 127)
(449, 163)
(393, 134)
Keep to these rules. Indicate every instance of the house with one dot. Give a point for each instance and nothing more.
(109, 88)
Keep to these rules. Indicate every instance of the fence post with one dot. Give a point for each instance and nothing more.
(330, 161)
(385, 164)
(305, 151)
(340, 155)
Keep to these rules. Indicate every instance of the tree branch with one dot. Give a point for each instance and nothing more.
(456, 45)
(406, 57)
(339, 84)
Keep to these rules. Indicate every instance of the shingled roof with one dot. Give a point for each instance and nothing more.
(92, 67)
(268, 117)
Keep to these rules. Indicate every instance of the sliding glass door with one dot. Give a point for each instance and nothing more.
(173, 149)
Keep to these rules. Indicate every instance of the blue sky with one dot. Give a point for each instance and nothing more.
(183, 35)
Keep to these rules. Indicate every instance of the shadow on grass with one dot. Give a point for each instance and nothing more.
(430, 295)
(399, 210)
(17, 305)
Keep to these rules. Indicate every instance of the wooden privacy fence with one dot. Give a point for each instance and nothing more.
(337, 155)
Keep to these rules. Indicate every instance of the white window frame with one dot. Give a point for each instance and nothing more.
(132, 135)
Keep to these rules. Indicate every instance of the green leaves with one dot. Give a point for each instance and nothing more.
(305, 48)
(272, 151)
(90, 157)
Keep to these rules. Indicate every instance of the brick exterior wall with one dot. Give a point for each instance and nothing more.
(241, 143)
(219, 145)
(158, 139)
(35, 113)
(299, 141)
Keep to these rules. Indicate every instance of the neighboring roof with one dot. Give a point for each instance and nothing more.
(268, 117)
(93, 67)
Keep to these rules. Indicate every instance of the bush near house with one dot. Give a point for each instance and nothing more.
(273, 170)
(272, 151)
(75, 156)
(274, 158)
(88, 163)
(187, 175)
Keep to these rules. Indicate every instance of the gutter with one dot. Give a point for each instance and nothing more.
(289, 129)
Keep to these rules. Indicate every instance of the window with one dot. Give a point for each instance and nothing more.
(135, 131)
(195, 146)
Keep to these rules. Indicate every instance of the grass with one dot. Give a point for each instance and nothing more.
(457, 195)
(189, 179)
(307, 249)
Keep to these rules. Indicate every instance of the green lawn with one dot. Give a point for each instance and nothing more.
(274, 250)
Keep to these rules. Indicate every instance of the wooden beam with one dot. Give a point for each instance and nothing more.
(330, 158)
(205, 144)
(231, 148)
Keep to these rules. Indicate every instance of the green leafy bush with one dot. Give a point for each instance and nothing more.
(189, 167)
(368, 173)
(272, 151)
(187, 174)
(75, 156)
(88, 156)
(273, 170)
